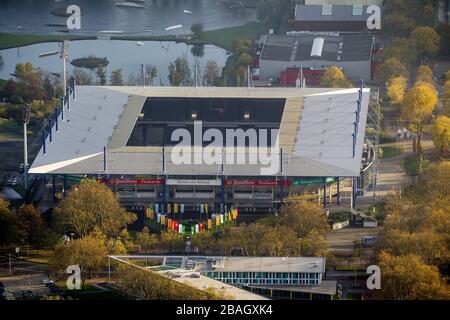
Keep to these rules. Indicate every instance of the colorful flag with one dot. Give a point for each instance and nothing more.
(209, 224)
(158, 218)
(206, 208)
(197, 228)
(221, 218)
(202, 208)
(169, 208)
(157, 207)
(175, 208)
(182, 208)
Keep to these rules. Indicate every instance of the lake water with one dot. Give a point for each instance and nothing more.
(34, 16)
(121, 54)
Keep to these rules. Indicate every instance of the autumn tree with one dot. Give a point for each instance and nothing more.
(8, 230)
(403, 50)
(116, 78)
(407, 277)
(197, 29)
(441, 134)
(150, 73)
(334, 78)
(417, 108)
(211, 74)
(101, 75)
(425, 74)
(180, 73)
(146, 241)
(171, 241)
(392, 68)
(426, 40)
(89, 253)
(30, 225)
(82, 77)
(90, 205)
(396, 89)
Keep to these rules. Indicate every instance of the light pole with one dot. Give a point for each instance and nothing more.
(26, 120)
(64, 55)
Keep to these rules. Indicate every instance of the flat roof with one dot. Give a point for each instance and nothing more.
(336, 48)
(273, 264)
(336, 13)
(315, 133)
(325, 287)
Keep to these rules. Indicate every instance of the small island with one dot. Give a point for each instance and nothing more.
(90, 62)
(62, 12)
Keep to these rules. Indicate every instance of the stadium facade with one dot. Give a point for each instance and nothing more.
(123, 136)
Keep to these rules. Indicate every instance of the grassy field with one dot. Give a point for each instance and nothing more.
(38, 256)
(8, 40)
(223, 38)
(412, 163)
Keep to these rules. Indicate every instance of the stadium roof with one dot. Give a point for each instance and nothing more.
(315, 133)
(335, 48)
(272, 264)
(331, 13)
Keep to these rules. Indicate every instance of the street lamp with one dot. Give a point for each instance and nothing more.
(26, 120)
(64, 55)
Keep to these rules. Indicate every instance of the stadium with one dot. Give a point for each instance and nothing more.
(123, 136)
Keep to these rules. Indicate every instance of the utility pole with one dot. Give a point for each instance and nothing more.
(64, 55)
(26, 120)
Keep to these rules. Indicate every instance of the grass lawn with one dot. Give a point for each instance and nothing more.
(411, 165)
(392, 151)
(223, 38)
(10, 130)
(89, 293)
(8, 40)
(37, 256)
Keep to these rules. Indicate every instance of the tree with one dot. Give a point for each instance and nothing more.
(418, 107)
(334, 78)
(403, 50)
(8, 227)
(391, 68)
(304, 217)
(116, 77)
(396, 90)
(171, 241)
(150, 72)
(245, 59)
(398, 24)
(146, 241)
(30, 225)
(441, 134)
(197, 29)
(180, 72)
(101, 75)
(407, 277)
(211, 73)
(89, 253)
(2, 63)
(92, 205)
(426, 40)
(425, 74)
(82, 77)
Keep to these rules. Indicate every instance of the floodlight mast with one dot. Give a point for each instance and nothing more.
(26, 120)
(64, 55)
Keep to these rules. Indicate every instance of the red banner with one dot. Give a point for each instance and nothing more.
(115, 181)
(257, 183)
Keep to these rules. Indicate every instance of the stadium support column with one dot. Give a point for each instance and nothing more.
(324, 192)
(64, 186)
(353, 194)
(164, 204)
(338, 191)
(282, 179)
(222, 185)
(54, 187)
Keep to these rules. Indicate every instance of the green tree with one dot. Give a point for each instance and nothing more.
(30, 225)
(197, 29)
(116, 78)
(391, 68)
(8, 226)
(426, 40)
(180, 73)
(92, 205)
(101, 75)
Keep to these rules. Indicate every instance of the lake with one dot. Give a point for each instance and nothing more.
(121, 54)
(34, 16)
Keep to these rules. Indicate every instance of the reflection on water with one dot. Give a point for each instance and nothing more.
(121, 54)
(34, 16)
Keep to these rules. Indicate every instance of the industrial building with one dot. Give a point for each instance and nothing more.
(316, 51)
(121, 136)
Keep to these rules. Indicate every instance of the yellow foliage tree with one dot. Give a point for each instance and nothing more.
(334, 78)
(441, 134)
(418, 106)
(391, 68)
(425, 74)
(396, 89)
(426, 40)
(407, 277)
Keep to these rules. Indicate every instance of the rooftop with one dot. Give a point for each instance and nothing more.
(273, 264)
(335, 47)
(330, 12)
